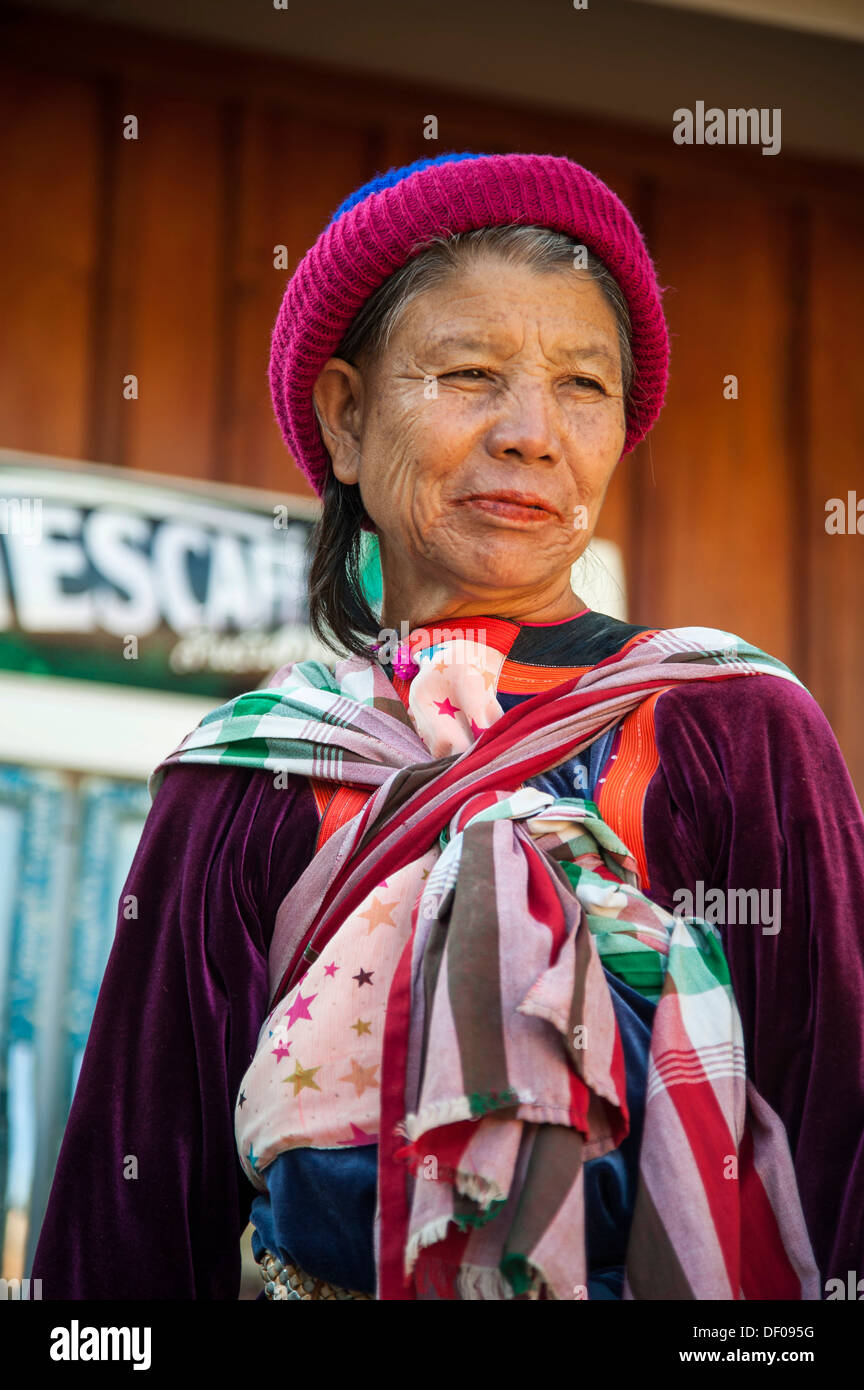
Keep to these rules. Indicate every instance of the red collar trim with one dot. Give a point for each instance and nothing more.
(498, 633)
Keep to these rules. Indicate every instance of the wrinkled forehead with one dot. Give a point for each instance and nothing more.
(496, 308)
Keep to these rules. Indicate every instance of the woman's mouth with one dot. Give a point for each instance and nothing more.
(513, 506)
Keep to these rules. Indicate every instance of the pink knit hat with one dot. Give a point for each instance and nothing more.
(375, 231)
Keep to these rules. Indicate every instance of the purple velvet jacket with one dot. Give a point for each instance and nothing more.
(751, 791)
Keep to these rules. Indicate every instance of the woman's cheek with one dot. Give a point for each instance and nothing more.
(599, 427)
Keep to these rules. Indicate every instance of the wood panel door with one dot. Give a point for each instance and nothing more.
(158, 259)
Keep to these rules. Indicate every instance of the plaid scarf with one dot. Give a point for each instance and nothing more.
(501, 1067)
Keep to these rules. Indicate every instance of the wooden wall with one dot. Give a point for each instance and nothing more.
(155, 257)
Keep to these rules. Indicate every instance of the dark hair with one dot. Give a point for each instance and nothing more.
(338, 607)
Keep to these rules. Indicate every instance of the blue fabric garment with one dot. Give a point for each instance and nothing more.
(318, 1212)
(579, 776)
(319, 1209)
(612, 1179)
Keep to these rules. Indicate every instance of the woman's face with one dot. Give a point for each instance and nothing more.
(500, 379)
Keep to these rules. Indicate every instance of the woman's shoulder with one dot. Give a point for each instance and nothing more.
(748, 702)
(767, 697)
(250, 827)
(747, 731)
(202, 788)
(771, 698)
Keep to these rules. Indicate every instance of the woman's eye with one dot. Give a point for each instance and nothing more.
(481, 374)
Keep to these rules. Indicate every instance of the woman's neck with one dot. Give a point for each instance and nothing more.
(458, 614)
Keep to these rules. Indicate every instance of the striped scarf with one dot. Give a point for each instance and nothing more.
(501, 1067)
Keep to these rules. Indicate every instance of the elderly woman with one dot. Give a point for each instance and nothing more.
(436, 973)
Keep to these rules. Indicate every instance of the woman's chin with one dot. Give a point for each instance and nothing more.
(509, 579)
(526, 565)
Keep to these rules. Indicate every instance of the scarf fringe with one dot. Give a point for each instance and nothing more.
(476, 1282)
(435, 1116)
(439, 1113)
(479, 1189)
(430, 1234)
(473, 1282)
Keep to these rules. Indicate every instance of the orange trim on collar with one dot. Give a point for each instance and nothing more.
(621, 800)
(622, 793)
(343, 805)
(323, 793)
(492, 632)
(336, 807)
(517, 678)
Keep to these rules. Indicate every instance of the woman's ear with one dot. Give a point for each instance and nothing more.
(338, 397)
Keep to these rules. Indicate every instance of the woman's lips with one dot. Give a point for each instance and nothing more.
(513, 511)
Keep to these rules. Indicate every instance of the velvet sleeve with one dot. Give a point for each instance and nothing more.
(148, 1199)
(755, 791)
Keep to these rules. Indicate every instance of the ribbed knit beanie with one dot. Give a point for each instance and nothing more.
(376, 230)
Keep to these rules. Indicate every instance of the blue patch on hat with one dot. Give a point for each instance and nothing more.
(394, 176)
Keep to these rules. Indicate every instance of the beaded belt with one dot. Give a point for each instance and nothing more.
(286, 1281)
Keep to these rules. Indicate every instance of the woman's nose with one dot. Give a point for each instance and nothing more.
(525, 425)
